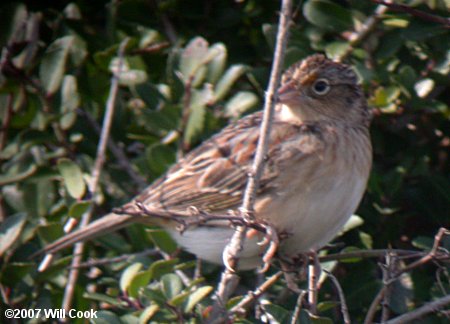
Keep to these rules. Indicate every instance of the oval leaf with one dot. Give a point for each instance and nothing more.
(240, 103)
(10, 230)
(328, 15)
(70, 101)
(228, 79)
(217, 64)
(128, 276)
(73, 178)
(53, 64)
(196, 297)
(171, 285)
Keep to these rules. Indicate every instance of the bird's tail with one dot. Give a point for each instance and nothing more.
(104, 225)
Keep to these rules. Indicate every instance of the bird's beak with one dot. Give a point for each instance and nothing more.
(287, 92)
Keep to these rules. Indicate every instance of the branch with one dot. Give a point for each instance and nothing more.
(374, 305)
(421, 311)
(414, 12)
(357, 37)
(430, 256)
(255, 294)
(369, 254)
(231, 252)
(118, 153)
(344, 308)
(99, 161)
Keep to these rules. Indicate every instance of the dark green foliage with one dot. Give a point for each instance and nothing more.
(191, 66)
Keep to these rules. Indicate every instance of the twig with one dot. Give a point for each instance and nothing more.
(118, 153)
(153, 48)
(313, 276)
(298, 307)
(231, 252)
(421, 311)
(414, 12)
(99, 161)
(124, 257)
(369, 254)
(357, 37)
(394, 276)
(374, 305)
(254, 295)
(6, 121)
(388, 269)
(428, 257)
(344, 308)
(184, 278)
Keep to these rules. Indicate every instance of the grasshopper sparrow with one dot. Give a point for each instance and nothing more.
(316, 172)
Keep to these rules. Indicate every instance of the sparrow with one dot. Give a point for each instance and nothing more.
(315, 174)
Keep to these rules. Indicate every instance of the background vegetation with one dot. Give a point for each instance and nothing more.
(56, 65)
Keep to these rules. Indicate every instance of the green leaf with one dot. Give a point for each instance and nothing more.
(6, 179)
(104, 299)
(70, 101)
(79, 208)
(132, 77)
(73, 177)
(163, 240)
(106, 317)
(192, 59)
(150, 95)
(179, 299)
(196, 121)
(328, 15)
(278, 313)
(352, 223)
(270, 33)
(335, 50)
(128, 276)
(159, 158)
(227, 80)
(10, 230)
(196, 297)
(217, 64)
(148, 313)
(240, 103)
(423, 242)
(161, 267)
(171, 285)
(52, 67)
(366, 240)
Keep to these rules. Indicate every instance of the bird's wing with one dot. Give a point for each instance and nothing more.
(213, 177)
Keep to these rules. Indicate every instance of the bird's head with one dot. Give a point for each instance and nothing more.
(317, 88)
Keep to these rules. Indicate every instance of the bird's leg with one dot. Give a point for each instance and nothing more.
(292, 270)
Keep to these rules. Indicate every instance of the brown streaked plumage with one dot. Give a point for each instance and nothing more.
(317, 167)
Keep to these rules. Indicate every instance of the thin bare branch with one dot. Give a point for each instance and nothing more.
(421, 311)
(429, 257)
(364, 254)
(231, 252)
(374, 305)
(99, 161)
(414, 12)
(124, 257)
(298, 307)
(313, 277)
(357, 37)
(344, 308)
(118, 153)
(251, 296)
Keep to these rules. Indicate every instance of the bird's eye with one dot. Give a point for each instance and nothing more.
(321, 87)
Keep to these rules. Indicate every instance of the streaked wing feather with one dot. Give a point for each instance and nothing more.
(214, 176)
